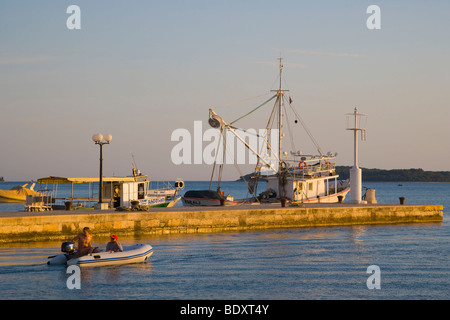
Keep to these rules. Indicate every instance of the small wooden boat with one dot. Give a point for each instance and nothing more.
(132, 254)
(202, 198)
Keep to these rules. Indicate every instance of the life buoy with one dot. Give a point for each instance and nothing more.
(179, 184)
(302, 165)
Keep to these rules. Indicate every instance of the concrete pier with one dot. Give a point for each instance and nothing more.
(63, 225)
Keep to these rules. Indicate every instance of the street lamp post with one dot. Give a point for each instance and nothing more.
(98, 139)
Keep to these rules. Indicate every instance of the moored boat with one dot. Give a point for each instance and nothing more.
(208, 198)
(18, 193)
(294, 176)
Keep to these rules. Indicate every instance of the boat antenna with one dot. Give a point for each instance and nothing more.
(133, 164)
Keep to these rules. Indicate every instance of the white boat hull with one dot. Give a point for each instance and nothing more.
(133, 254)
(333, 198)
(159, 201)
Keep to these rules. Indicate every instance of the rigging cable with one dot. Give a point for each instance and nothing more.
(242, 100)
(253, 110)
(307, 130)
(242, 175)
(291, 136)
(215, 158)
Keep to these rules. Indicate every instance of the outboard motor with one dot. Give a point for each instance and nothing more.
(68, 247)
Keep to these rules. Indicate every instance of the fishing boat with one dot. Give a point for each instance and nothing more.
(290, 177)
(18, 193)
(131, 254)
(119, 192)
(156, 193)
(164, 195)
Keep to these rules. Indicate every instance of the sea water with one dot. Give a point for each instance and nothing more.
(283, 264)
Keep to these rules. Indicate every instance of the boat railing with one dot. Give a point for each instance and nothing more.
(38, 202)
(312, 167)
(80, 202)
(159, 186)
(49, 203)
(84, 202)
(161, 192)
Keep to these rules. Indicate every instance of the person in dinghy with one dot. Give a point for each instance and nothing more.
(113, 245)
(84, 243)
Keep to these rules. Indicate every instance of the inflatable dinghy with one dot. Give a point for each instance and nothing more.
(131, 254)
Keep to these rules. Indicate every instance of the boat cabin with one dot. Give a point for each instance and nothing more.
(117, 191)
(304, 190)
(313, 180)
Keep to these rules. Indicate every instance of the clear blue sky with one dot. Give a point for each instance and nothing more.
(141, 69)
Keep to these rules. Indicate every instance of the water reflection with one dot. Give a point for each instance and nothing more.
(356, 234)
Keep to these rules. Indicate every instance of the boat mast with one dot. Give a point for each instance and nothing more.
(280, 106)
(280, 94)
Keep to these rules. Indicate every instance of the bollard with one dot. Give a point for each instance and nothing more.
(402, 200)
(340, 199)
(370, 196)
(68, 205)
(283, 202)
(222, 202)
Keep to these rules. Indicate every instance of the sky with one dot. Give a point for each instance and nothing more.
(139, 70)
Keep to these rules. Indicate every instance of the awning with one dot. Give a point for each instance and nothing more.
(56, 180)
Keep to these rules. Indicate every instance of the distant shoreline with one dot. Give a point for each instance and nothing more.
(368, 175)
(394, 175)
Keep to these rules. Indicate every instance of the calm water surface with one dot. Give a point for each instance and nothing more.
(292, 264)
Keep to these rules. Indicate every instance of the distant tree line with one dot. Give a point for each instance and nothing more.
(404, 175)
(379, 175)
